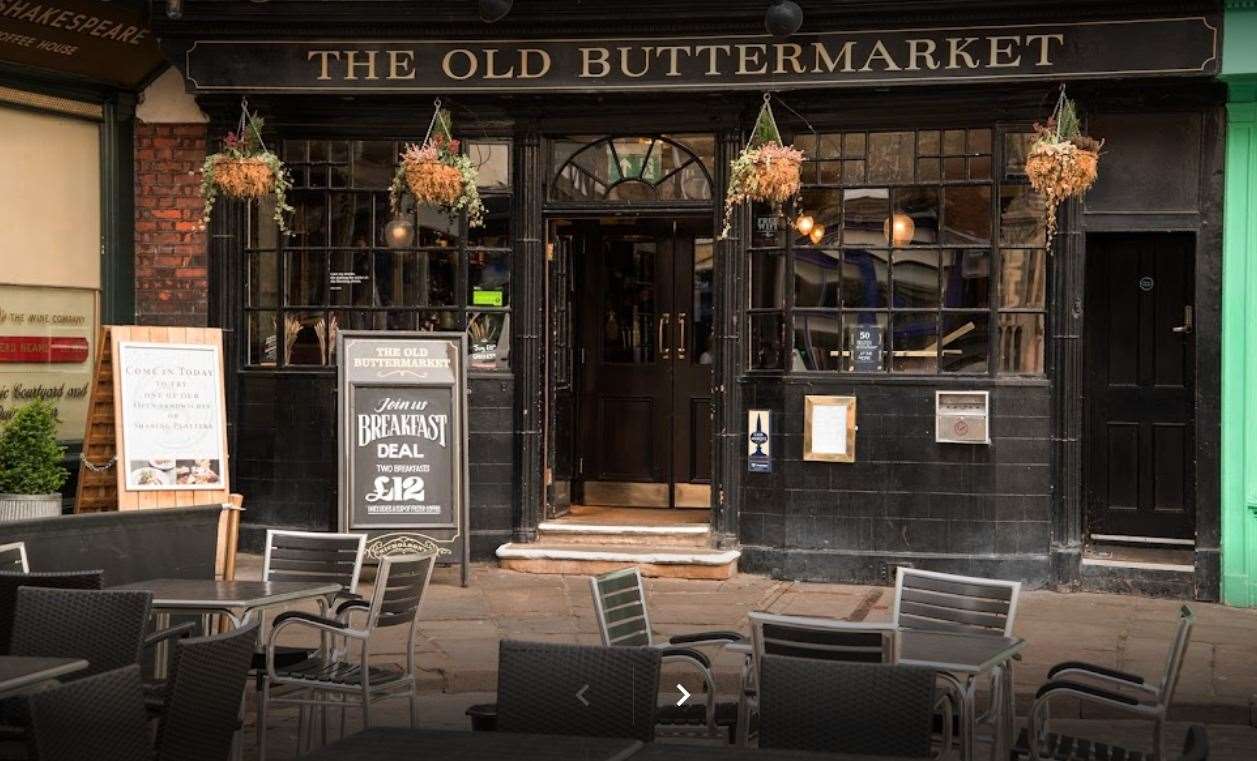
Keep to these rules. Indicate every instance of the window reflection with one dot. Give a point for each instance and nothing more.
(768, 272)
(967, 215)
(914, 276)
(703, 316)
(817, 341)
(817, 278)
(966, 278)
(965, 343)
(1021, 339)
(632, 169)
(864, 216)
(865, 278)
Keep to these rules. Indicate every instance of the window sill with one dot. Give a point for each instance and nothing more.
(888, 379)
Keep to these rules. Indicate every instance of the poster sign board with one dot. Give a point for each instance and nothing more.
(402, 442)
(829, 428)
(866, 349)
(759, 433)
(172, 416)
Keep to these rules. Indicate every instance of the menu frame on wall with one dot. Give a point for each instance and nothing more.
(401, 404)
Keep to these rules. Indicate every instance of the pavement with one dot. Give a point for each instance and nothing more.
(460, 628)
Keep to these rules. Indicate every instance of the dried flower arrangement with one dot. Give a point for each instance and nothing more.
(765, 170)
(245, 169)
(1062, 163)
(437, 174)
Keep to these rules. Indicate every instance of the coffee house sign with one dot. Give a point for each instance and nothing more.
(1155, 47)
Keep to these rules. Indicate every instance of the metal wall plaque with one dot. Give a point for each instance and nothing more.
(403, 442)
(759, 453)
(962, 417)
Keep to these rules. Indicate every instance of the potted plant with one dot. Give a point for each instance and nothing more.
(245, 169)
(438, 175)
(1062, 162)
(31, 470)
(765, 170)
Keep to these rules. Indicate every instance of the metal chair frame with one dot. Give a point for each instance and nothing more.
(396, 600)
(13, 557)
(614, 610)
(1127, 693)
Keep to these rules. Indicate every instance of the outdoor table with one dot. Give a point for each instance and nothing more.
(960, 658)
(20, 674)
(233, 599)
(385, 743)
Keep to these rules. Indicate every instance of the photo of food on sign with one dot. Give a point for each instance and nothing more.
(166, 472)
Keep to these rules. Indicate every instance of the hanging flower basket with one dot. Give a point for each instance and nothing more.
(436, 174)
(765, 171)
(1062, 163)
(245, 170)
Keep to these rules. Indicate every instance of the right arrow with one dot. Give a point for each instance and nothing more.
(685, 695)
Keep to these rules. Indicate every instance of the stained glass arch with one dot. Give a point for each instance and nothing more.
(632, 170)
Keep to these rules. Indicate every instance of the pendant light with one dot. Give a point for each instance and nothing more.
(174, 9)
(899, 229)
(783, 18)
(493, 10)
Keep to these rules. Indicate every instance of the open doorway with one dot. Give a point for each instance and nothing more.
(630, 368)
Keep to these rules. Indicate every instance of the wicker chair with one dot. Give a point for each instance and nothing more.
(13, 557)
(844, 707)
(200, 714)
(104, 627)
(400, 584)
(556, 689)
(11, 580)
(99, 717)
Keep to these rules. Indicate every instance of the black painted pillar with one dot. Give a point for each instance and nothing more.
(117, 177)
(527, 341)
(726, 391)
(1066, 367)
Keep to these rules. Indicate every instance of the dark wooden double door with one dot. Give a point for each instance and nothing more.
(639, 311)
(1140, 387)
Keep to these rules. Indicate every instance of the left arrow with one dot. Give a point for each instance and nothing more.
(580, 695)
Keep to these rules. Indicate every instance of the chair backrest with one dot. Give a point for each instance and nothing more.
(13, 557)
(840, 707)
(400, 583)
(314, 556)
(203, 694)
(1178, 650)
(547, 688)
(620, 605)
(100, 717)
(104, 627)
(10, 581)
(820, 639)
(946, 602)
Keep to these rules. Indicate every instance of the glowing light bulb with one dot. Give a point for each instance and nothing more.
(399, 232)
(899, 229)
(817, 235)
(804, 224)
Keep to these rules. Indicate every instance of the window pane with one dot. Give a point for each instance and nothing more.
(390, 277)
(853, 172)
(349, 281)
(853, 145)
(399, 320)
(765, 345)
(954, 142)
(767, 226)
(263, 277)
(309, 220)
(1023, 278)
(914, 279)
(262, 341)
(831, 146)
(980, 168)
(689, 184)
(817, 277)
(980, 142)
(820, 215)
(767, 280)
(433, 227)
(915, 342)
(496, 232)
(703, 317)
(307, 278)
(374, 163)
(429, 278)
(1022, 216)
(1016, 146)
(263, 232)
(433, 320)
(966, 343)
(855, 323)
(865, 279)
(489, 340)
(489, 278)
(830, 172)
(966, 279)
(352, 320)
(891, 157)
(817, 341)
(967, 215)
(865, 212)
(929, 142)
(351, 220)
(493, 162)
(915, 220)
(929, 170)
(628, 302)
(305, 338)
(806, 142)
(1021, 344)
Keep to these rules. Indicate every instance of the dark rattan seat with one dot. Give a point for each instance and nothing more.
(99, 717)
(104, 627)
(10, 580)
(340, 672)
(1066, 748)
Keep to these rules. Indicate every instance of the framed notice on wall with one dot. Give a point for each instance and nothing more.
(171, 413)
(402, 442)
(829, 428)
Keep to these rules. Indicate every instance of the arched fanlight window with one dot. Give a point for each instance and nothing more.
(632, 169)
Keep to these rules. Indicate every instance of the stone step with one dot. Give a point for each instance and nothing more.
(593, 559)
(618, 536)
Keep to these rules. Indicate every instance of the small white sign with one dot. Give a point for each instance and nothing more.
(829, 429)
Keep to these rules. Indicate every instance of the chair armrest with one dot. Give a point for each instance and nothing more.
(685, 653)
(297, 616)
(1078, 689)
(705, 638)
(349, 605)
(1090, 669)
(184, 629)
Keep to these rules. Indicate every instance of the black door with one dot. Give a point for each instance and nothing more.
(644, 416)
(564, 248)
(1140, 375)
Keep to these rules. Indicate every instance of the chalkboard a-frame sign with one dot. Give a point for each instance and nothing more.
(402, 442)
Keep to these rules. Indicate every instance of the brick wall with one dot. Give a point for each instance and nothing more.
(170, 250)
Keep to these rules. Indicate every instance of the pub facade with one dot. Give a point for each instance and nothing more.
(1013, 407)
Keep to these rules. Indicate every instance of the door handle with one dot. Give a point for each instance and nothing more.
(664, 319)
(1188, 320)
(681, 319)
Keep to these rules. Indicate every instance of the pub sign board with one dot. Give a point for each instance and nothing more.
(402, 443)
(1053, 51)
(94, 40)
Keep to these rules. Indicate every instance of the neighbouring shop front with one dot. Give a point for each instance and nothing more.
(619, 343)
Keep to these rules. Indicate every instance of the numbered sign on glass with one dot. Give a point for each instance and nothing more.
(402, 442)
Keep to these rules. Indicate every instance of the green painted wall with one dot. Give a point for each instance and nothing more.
(1239, 309)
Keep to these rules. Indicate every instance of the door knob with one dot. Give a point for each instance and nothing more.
(664, 319)
(681, 320)
(1188, 320)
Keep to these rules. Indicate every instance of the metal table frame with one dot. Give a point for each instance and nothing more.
(35, 679)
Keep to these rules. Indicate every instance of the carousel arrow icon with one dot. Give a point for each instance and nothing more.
(580, 695)
(685, 695)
